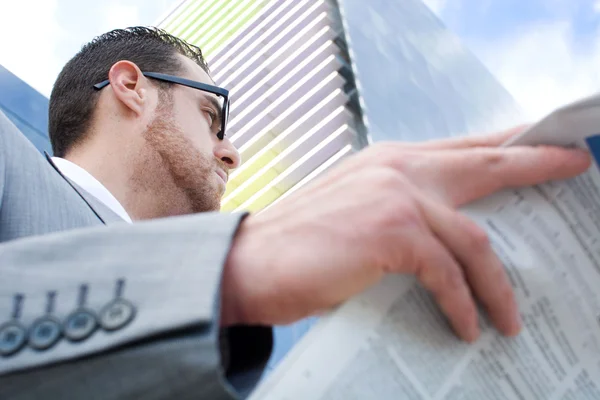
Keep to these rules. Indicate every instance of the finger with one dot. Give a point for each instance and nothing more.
(467, 175)
(464, 142)
(484, 272)
(439, 272)
(393, 153)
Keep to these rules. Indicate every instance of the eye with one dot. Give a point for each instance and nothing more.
(212, 116)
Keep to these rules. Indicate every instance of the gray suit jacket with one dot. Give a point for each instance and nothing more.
(93, 307)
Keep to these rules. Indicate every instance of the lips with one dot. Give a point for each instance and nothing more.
(222, 174)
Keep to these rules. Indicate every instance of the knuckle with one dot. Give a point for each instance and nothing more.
(391, 199)
(477, 237)
(455, 279)
(492, 158)
(386, 178)
(390, 155)
(405, 213)
(427, 275)
(400, 220)
(403, 216)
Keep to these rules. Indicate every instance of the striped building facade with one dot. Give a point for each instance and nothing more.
(288, 72)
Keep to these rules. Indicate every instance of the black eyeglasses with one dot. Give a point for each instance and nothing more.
(223, 109)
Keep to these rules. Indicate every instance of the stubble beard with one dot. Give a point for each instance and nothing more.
(183, 175)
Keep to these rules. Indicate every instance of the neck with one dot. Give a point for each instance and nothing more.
(139, 182)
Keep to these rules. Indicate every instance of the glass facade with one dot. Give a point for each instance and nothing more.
(26, 108)
(416, 81)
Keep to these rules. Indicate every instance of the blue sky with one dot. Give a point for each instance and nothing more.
(545, 52)
(39, 36)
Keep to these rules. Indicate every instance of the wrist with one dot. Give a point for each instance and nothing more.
(235, 302)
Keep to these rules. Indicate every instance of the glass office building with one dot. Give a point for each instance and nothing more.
(26, 108)
(312, 81)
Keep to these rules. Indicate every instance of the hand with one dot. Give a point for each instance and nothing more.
(390, 208)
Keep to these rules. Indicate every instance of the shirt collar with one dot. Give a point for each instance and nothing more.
(91, 185)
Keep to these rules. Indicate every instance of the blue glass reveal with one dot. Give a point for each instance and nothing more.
(26, 108)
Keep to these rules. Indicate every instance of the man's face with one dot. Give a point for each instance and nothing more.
(183, 133)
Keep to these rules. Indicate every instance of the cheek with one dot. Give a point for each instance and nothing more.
(194, 127)
(197, 131)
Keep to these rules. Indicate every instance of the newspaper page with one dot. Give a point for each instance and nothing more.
(392, 342)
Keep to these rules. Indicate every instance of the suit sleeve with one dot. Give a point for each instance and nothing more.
(124, 311)
(3, 127)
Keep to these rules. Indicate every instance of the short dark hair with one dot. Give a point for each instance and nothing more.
(73, 98)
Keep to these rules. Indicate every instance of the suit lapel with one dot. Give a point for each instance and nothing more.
(104, 214)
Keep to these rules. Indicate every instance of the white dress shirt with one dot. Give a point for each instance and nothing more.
(91, 185)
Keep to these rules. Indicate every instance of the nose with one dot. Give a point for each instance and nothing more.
(225, 151)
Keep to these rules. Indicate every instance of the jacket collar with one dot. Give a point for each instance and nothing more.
(104, 214)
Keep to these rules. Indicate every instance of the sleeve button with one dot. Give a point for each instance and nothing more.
(80, 325)
(12, 338)
(116, 315)
(44, 333)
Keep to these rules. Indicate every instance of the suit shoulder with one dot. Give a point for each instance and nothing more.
(11, 138)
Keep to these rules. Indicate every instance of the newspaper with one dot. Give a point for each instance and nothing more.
(392, 342)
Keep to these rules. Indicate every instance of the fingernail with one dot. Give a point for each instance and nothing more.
(583, 153)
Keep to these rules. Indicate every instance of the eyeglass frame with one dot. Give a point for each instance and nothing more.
(192, 84)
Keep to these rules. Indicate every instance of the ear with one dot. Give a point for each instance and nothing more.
(129, 86)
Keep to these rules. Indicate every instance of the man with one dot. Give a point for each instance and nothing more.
(179, 306)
